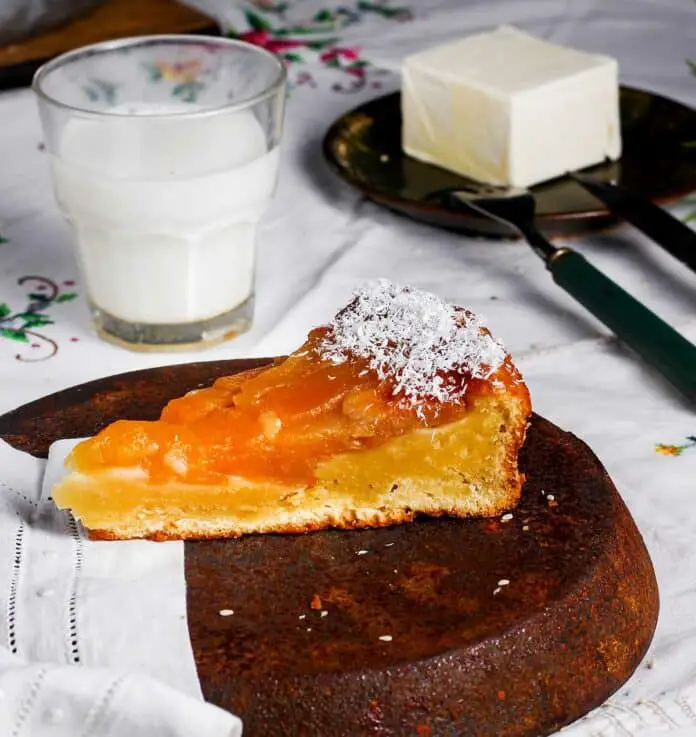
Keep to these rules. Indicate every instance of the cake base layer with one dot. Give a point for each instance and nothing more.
(567, 630)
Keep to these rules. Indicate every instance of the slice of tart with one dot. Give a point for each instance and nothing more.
(403, 405)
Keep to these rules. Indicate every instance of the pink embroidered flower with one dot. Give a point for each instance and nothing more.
(258, 38)
(339, 55)
(266, 41)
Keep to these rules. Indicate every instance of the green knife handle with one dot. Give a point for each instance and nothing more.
(633, 323)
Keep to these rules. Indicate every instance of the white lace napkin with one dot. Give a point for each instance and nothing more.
(673, 713)
(93, 635)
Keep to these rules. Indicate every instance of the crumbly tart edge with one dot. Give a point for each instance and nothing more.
(364, 519)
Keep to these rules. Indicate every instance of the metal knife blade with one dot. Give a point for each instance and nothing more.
(666, 230)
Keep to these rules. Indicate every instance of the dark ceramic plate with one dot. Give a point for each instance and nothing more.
(571, 626)
(364, 148)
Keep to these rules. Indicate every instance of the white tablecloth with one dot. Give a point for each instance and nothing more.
(320, 239)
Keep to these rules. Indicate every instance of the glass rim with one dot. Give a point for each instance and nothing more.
(170, 38)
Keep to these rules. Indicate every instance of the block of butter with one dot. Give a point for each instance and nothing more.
(506, 108)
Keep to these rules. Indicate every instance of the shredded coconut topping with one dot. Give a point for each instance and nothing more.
(425, 346)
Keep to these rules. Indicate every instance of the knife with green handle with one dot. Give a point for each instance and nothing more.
(659, 344)
(633, 323)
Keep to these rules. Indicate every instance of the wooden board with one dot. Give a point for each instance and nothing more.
(470, 655)
(113, 19)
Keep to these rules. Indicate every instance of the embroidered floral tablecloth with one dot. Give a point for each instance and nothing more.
(320, 239)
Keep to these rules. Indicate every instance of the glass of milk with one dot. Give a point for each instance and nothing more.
(164, 154)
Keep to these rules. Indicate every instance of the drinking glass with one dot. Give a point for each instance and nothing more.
(164, 155)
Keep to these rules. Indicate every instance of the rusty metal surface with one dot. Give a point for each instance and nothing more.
(469, 655)
(83, 410)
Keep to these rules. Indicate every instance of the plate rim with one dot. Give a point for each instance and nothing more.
(399, 203)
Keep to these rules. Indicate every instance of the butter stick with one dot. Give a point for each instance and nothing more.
(506, 108)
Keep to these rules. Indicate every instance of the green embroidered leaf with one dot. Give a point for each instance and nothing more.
(256, 21)
(66, 297)
(38, 297)
(108, 90)
(319, 45)
(187, 91)
(298, 31)
(692, 66)
(291, 56)
(36, 320)
(323, 16)
(691, 217)
(3, 239)
(4, 310)
(99, 88)
(18, 335)
(92, 95)
(385, 12)
(154, 73)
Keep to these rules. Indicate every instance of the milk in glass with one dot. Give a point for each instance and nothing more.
(165, 208)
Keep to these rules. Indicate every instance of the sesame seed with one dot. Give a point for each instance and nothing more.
(550, 497)
(324, 613)
(388, 545)
(309, 629)
(302, 616)
(363, 552)
(385, 638)
(525, 528)
(503, 582)
(226, 612)
(507, 517)
(497, 591)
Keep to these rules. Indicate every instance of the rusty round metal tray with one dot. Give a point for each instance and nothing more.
(469, 654)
